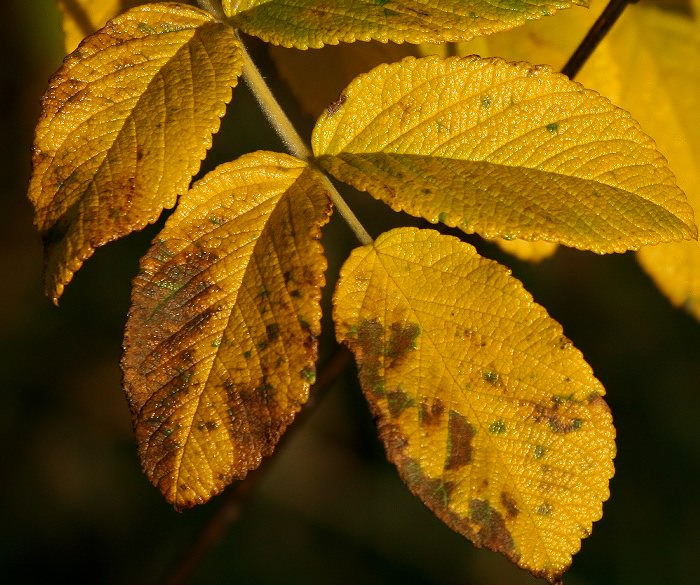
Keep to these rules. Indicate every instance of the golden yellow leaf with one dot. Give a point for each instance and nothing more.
(81, 18)
(125, 123)
(220, 345)
(492, 417)
(646, 66)
(314, 23)
(503, 149)
(524, 250)
(317, 77)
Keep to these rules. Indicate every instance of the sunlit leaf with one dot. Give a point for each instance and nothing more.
(646, 65)
(220, 345)
(81, 18)
(492, 417)
(125, 123)
(505, 150)
(524, 250)
(314, 23)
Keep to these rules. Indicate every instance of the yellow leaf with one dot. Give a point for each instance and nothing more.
(492, 417)
(524, 250)
(316, 77)
(220, 344)
(505, 150)
(644, 65)
(314, 23)
(81, 18)
(125, 123)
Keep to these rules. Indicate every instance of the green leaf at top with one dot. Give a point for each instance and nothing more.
(314, 23)
(504, 150)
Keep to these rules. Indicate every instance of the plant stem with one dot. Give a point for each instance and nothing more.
(596, 34)
(213, 7)
(294, 143)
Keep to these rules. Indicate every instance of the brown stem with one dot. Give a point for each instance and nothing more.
(230, 510)
(598, 31)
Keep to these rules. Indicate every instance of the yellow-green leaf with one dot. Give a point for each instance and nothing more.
(492, 417)
(524, 250)
(220, 345)
(644, 66)
(314, 23)
(81, 18)
(125, 124)
(505, 150)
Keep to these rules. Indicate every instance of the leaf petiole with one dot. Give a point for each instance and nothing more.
(294, 143)
(596, 34)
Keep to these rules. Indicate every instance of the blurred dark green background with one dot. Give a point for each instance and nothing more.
(328, 509)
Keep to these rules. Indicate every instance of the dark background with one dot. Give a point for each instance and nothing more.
(328, 508)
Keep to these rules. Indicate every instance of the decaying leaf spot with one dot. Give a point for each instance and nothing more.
(218, 358)
(459, 441)
(483, 415)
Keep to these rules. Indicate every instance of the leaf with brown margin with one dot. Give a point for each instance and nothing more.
(313, 23)
(125, 123)
(504, 150)
(491, 415)
(220, 344)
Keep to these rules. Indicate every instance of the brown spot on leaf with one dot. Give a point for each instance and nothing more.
(432, 415)
(510, 505)
(459, 441)
(272, 331)
(369, 351)
(335, 105)
(402, 340)
(492, 533)
(398, 401)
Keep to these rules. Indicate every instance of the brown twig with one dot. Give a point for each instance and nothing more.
(596, 34)
(230, 509)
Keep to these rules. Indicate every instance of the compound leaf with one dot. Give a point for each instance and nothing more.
(505, 150)
(492, 417)
(220, 344)
(314, 23)
(125, 124)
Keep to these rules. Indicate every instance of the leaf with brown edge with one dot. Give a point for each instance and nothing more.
(504, 150)
(125, 124)
(313, 23)
(491, 415)
(220, 344)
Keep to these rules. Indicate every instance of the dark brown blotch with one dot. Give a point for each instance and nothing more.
(460, 434)
(398, 401)
(369, 350)
(510, 505)
(431, 415)
(492, 533)
(402, 340)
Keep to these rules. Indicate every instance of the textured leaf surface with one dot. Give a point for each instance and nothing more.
(643, 65)
(505, 150)
(313, 23)
(492, 417)
(125, 123)
(81, 18)
(220, 345)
